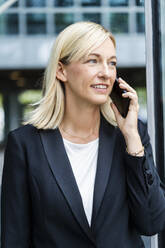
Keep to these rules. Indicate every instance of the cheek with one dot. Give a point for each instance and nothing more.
(114, 75)
(78, 75)
(115, 72)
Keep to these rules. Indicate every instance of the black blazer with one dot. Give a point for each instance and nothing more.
(42, 206)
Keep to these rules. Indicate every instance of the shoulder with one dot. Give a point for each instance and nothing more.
(142, 127)
(23, 130)
(23, 133)
(109, 130)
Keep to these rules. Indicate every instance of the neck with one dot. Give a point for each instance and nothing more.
(81, 121)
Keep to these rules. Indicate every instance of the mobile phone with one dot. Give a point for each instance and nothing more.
(121, 103)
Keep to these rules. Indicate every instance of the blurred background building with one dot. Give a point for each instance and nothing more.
(27, 31)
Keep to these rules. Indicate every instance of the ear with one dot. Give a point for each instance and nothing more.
(61, 73)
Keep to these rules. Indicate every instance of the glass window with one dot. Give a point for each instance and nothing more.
(36, 23)
(14, 5)
(9, 24)
(140, 2)
(118, 2)
(90, 2)
(35, 3)
(62, 21)
(94, 17)
(119, 23)
(63, 3)
(140, 20)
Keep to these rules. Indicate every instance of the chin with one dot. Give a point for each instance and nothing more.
(100, 100)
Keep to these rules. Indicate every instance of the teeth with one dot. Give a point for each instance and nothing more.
(99, 86)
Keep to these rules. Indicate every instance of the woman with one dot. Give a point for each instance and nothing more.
(78, 174)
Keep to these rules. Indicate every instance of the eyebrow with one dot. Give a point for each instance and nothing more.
(98, 55)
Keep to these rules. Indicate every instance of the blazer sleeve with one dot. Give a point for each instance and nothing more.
(15, 200)
(146, 193)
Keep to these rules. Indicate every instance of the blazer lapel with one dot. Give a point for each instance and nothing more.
(62, 171)
(107, 139)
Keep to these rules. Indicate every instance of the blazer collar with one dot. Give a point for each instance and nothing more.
(62, 171)
(107, 139)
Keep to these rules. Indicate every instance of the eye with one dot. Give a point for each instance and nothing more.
(112, 63)
(92, 61)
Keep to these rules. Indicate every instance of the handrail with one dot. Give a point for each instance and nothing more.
(6, 5)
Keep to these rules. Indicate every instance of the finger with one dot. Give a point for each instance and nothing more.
(134, 105)
(120, 80)
(124, 85)
(131, 96)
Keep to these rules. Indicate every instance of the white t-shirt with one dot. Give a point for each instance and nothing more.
(83, 159)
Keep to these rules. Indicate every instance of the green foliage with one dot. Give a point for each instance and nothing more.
(29, 96)
(1, 101)
(142, 95)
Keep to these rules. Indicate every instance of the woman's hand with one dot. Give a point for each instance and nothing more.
(128, 125)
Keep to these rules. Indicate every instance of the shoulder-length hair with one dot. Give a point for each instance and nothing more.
(74, 42)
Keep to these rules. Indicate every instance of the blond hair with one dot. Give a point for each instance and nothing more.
(74, 42)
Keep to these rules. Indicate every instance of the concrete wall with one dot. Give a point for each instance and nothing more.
(33, 51)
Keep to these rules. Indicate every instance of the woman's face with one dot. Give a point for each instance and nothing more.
(90, 80)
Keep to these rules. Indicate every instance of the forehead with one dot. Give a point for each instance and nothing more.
(105, 49)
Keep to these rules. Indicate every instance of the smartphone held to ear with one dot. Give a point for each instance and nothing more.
(121, 103)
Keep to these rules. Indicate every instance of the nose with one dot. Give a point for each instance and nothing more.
(105, 71)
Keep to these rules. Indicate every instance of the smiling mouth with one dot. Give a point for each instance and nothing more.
(99, 86)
